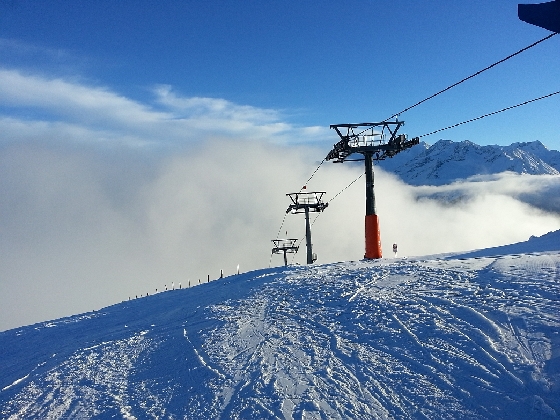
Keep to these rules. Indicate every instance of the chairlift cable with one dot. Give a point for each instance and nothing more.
(491, 113)
(472, 75)
(345, 188)
(337, 194)
(450, 87)
(281, 225)
(312, 175)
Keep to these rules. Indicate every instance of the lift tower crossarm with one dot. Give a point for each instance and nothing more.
(370, 139)
(303, 200)
(285, 246)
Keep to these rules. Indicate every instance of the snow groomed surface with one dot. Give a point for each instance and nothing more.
(450, 337)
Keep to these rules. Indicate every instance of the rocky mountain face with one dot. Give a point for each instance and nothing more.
(446, 161)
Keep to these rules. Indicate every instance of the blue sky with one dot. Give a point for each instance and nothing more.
(276, 70)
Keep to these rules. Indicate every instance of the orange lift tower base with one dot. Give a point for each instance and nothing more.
(375, 141)
(373, 233)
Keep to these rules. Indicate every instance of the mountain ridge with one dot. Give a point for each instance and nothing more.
(446, 161)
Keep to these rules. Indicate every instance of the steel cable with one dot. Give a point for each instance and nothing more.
(491, 113)
(312, 175)
(471, 76)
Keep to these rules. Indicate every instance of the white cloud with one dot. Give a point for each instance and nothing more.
(488, 214)
(218, 108)
(72, 100)
(83, 227)
(99, 114)
(80, 230)
(16, 130)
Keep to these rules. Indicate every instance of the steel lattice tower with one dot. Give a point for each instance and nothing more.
(307, 202)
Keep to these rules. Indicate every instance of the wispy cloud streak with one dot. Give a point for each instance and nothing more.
(169, 120)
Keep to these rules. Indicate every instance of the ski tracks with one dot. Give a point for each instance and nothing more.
(74, 390)
(470, 338)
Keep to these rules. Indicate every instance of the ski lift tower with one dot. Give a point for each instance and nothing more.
(286, 246)
(375, 141)
(307, 202)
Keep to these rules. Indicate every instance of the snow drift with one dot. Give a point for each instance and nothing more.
(453, 336)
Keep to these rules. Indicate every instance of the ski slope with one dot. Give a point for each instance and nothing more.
(454, 336)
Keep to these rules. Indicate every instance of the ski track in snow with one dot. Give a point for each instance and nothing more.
(419, 338)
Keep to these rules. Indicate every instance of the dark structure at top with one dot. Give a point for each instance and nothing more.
(545, 15)
(371, 139)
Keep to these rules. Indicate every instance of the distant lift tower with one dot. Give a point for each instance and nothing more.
(306, 202)
(286, 246)
(375, 141)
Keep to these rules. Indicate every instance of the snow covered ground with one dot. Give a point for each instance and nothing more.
(475, 335)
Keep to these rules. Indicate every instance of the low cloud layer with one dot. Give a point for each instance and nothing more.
(81, 230)
(104, 198)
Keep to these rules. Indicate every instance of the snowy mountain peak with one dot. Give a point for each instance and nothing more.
(529, 145)
(447, 161)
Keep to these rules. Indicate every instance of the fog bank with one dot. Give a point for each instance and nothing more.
(82, 229)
